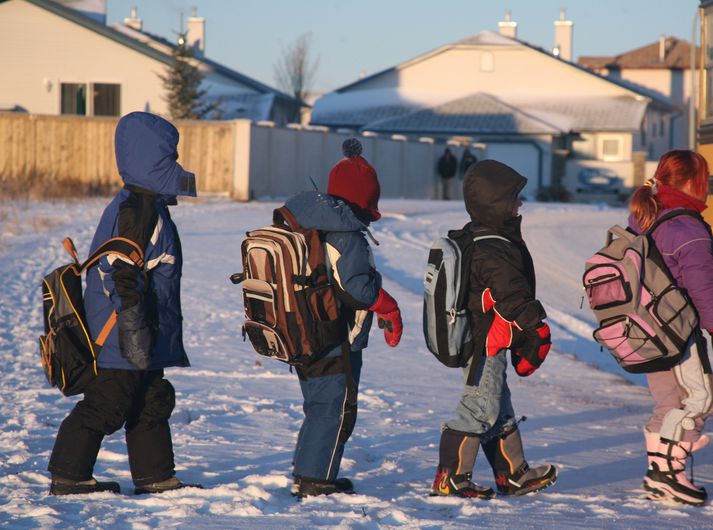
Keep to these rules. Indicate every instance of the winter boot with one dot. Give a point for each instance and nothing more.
(65, 486)
(169, 484)
(665, 478)
(457, 457)
(310, 487)
(513, 475)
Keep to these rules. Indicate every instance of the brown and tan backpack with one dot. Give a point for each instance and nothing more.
(290, 306)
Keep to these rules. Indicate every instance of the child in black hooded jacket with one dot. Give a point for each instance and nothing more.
(504, 315)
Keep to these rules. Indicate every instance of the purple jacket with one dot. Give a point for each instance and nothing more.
(687, 249)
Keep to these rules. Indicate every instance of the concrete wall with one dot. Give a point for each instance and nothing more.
(282, 160)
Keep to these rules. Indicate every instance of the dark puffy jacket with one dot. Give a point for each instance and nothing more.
(685, 244)
(148, 333)
(354, 275)
(491, 190)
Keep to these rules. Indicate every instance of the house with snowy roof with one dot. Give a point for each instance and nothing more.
(663, 67)
(546, 116)
(66, 60)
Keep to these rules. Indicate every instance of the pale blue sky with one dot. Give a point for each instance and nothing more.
(370, 35)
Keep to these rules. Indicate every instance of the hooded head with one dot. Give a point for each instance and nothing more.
(146, 154)
(491, 190)
(354, 180)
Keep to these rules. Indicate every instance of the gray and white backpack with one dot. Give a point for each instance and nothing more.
(446, 321)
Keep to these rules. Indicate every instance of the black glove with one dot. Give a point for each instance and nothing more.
(135, 337)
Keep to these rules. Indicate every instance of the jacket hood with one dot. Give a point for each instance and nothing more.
(146, 154)
(490, 189)
(320, 211)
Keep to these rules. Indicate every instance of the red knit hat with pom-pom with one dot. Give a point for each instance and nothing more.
(354, 180)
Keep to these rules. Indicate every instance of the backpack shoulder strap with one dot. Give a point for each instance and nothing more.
(490, 236)
(116, 245)
(671, 215)
(282, 216)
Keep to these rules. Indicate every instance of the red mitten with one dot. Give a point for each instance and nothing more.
(531, 350)
(389, 317)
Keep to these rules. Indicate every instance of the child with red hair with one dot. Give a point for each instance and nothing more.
(682, 395)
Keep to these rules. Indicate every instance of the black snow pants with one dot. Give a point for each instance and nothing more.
(141, 402)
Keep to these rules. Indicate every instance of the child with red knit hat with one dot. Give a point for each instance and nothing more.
(330, 384)
(354, 180)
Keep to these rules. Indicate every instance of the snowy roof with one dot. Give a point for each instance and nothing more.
(254, 107)
(354, 109)
(477, 113)
(488, 38)
(167, 47)
(388, 110)
(620, 113)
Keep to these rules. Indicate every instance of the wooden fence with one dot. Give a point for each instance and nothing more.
(75, 150)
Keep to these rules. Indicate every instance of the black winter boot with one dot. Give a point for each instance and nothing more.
(310, 487)
(66, 486)
(169, 484)
(513, 475)
(457, 454)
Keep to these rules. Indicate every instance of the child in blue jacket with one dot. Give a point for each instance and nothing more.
(142, 308)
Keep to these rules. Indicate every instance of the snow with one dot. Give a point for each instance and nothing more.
(237, 415)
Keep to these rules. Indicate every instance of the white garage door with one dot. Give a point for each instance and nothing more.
(523, 158)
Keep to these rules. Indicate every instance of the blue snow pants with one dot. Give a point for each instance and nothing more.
(329, 387)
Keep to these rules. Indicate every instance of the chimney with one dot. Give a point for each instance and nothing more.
(507, 27)
(133, 22)
(563, 37)
(196, 33)
(662, 48)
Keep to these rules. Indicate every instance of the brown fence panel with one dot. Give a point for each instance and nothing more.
(55, 151)
(206, 149)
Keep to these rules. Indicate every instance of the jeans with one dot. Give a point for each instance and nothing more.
(485, 408)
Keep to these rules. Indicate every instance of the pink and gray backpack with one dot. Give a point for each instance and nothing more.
(645, 320)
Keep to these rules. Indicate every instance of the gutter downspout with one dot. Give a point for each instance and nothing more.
(692, 124)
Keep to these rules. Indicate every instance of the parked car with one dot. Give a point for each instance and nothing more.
(598, 180)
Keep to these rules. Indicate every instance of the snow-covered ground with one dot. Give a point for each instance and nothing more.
(236, 418)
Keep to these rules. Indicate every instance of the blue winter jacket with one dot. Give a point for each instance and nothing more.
(354, 275)
(148, 332)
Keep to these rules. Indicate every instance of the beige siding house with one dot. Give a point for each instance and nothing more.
(57, 60)
(663, 67)
(546, 116)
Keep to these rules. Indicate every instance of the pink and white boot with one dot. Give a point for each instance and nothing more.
(666, 478)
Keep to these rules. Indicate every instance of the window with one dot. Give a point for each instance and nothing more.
(611, 148)
(107, 99)
(104, 100)
(74, 99)
(487, 62)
